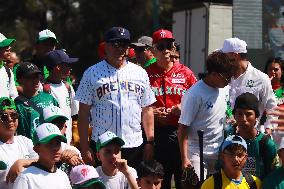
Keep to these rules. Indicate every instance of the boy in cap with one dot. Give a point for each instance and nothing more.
(44, 174)
(150, 175)
(58, 64)
(84, 177)
(275, 179)
(115, 172)
(246, 78)
(16, 152)
(203, 107)
(144, 51)
(233, 157)
(31, 102)
(117, 95)
(7, 83)
(169, 80)
(261, 149)
(70, 155)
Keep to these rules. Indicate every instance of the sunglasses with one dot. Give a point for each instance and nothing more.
(4, 117)
(174, 57)
(120, 44)
(141, 49)
(164, 46)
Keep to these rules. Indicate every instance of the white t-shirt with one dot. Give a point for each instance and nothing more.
(7, 89)
(256, 82)
(35, 178)
(204, 108)
(21, 148)
(119, 181)
(66, 102)
(117, 97)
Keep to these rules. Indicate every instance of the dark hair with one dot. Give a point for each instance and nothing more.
(271, 60)
(247, 101)
(235, 149)
(219, 62)
(151, 167)
(177, 45)
(243, 56)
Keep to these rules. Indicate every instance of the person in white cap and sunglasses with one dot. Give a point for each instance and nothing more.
(7, 83)
(247, 78)
(44, 174)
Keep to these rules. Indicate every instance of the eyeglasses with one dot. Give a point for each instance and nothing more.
(239, 157)
(164, 46)
(4, 117)
(174, 57)
(141, 49)
(120, 44)
(227, 79)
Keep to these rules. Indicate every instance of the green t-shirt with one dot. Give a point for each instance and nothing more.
(29, 118)
(275, 180)
(258, 164)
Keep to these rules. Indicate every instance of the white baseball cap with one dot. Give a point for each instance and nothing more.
(4, 41)
(45, 34)
(45, 132)
(235, 45)
(107, 138)
(84, 176)
(52, 112)
(281, 146)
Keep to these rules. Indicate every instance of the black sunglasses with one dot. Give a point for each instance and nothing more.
(141, 49)
(4, 117)
(120, 44)
(164, 46)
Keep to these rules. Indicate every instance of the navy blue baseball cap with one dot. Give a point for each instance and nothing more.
(56, 57)
(117, 33)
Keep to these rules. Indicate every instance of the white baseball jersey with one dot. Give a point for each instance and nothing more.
(256, 82)
(66, 102)
(117, 97)
(204, 108)
(7, 88)
(36, 178)
(21, 148)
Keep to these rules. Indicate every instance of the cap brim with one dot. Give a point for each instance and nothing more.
(51, 137)
(50, 119)
(115, 139)
(71, 60)
(99, 183)
(6, 42)
(118, 39)
(45, 38)
(31, 73)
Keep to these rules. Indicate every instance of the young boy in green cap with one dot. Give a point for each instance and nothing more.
(276, 178)
(261, 148)
(85, 177)
(44, 174)
(115, 172)
(233, 158)
(150, 174)
(16, 152)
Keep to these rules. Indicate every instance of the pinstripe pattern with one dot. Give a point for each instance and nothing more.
(117, 97)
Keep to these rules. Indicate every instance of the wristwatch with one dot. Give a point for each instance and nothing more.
(152, 142)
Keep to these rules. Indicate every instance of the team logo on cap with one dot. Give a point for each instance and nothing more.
(163, 34)
(85, 171)
(31, 66)
(50, 128)
(122, 31)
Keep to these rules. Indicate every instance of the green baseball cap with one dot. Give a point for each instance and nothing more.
(45, 132)
(7, 103)
(46, 34)
(107, 138)
(4, 41)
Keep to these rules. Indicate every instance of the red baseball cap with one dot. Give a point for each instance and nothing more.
(162, 34)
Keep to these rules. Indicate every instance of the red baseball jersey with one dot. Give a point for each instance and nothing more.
(170, 86)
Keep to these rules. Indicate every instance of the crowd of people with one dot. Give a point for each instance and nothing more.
(134, 119)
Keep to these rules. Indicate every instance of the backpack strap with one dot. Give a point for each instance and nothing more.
(251, 182)
(8, 72)
(27, 102)
(217, 180)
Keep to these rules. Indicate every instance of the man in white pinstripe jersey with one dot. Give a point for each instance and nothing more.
(117, 95)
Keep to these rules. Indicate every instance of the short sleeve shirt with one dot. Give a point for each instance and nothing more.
(117, 97)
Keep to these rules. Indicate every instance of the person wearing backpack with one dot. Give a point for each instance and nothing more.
(233, 158)
(261, 148)
(7, 83)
